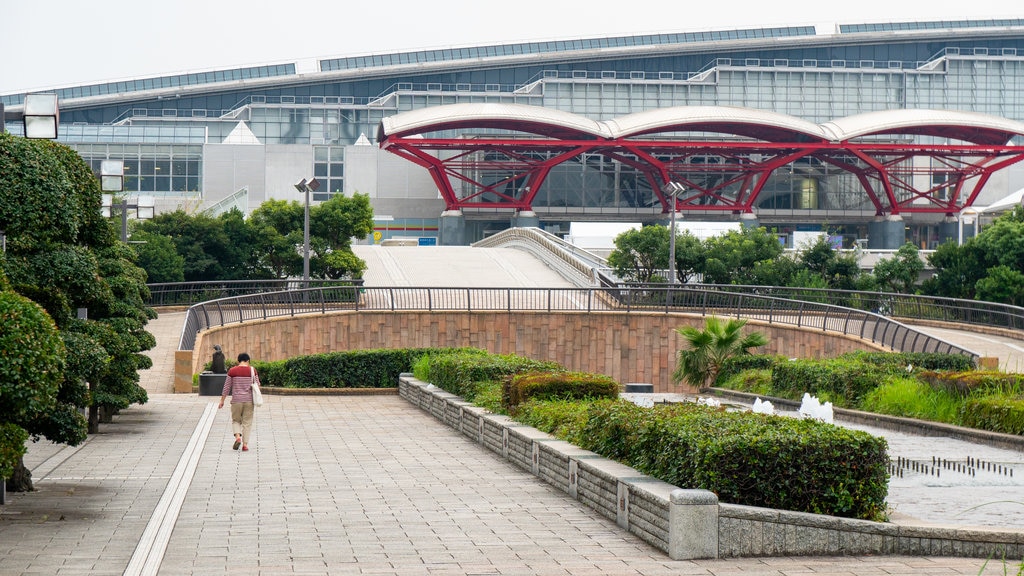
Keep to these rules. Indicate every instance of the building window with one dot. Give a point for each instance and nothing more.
(329, 169)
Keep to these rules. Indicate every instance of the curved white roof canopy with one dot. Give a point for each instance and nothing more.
(760, 124)
(967, 126)
(521, 117)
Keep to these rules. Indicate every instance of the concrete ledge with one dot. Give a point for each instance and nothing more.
(691, 524)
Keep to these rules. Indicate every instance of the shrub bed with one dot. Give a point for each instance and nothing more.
(463, 372)
(995, 413)
(344, 369)
(556, 386)
(745, 458)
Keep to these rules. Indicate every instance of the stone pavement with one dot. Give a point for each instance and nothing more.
(333, 485)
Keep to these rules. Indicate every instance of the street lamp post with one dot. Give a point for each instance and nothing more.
(672, 190)
(306, 187)
(968, 215)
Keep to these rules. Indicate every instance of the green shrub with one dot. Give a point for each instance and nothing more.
(462, 372)
(975, 382)
(751, 381)
(558, 385)
(560, 418)
(897, 361)
(733, 365)
(346, 369)
(12, 447)
(746, 458)
(906, 396)
(841, 381)
(995, 414)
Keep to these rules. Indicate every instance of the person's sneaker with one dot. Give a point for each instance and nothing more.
(236, 444)
(245, 448)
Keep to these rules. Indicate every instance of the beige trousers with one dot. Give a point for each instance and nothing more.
(241, 420)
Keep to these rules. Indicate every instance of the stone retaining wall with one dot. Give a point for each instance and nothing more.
(692, 524)
(629, 347)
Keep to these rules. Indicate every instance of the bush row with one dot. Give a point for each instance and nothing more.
(744, 458)
(344, 369)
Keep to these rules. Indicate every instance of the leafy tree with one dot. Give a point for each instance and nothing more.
(707, 350)
(957, 270)
(901, 272)
(31, 361)
(73, 262)
(333, 224)
(733, 257)
(159, 257)
(278, 237)
(689, 256)
(1002, 284)
(201, 240)
(837, 271)
(640, 254)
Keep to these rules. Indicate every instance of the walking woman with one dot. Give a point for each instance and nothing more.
(238, 385)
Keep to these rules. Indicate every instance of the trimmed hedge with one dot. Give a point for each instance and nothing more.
(745, 458)
(844, 382)
(345, 369)
(898, 361)
(966, 383)
(556, 386)
(995, 414)
(463, 372)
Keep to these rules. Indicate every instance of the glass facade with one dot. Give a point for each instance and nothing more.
(165, 143)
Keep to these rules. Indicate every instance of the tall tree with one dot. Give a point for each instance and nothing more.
(902, 272)
(733, 257)
(333, 224)
(640, 254)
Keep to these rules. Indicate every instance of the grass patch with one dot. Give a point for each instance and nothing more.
(909, 397)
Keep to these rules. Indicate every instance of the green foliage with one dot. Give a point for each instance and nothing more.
(159, 258)
(1002, 284)
(345, 369)
(565, 419)
(898, 361)
(707, 350)
(742, 362)
(12, 447)
(640, 253)
(31, 360)
(557, 385)
(842, 381)
(464, 372)
(974, 382)
(901, 272)
(754, 381)
(957, 269)
(995, 413)
(908, 397)
(38, 204)
(733, 257)
(745, 458)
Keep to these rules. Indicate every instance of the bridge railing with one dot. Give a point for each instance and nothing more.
(905, 306)
(188, 293)
(659, 299)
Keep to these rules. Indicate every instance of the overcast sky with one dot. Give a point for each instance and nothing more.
(59, 43)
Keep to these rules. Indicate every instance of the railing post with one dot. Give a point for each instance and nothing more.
(469, 300)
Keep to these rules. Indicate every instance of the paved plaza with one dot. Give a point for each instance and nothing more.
(333, 485)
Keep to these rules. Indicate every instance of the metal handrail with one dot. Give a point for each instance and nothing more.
(182, 293)
(895, 305)
(706, 302)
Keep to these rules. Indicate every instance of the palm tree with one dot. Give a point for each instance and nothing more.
(708, 350)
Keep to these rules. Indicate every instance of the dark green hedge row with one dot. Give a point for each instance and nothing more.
(996, 414)
(918, 360)
(463, 372)
(556, 386)
(345, 369)
(841, 381)
(744, 458)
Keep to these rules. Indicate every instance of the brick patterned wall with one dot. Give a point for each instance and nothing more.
(634, 347)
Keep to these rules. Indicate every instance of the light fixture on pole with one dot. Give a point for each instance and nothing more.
(306, 187)
(40, 116)
(968, 215)
(672, 190)
(112, 180)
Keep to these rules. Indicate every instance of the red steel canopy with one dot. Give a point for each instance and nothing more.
(889, 152)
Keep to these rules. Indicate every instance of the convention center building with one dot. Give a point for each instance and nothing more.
(874, 133)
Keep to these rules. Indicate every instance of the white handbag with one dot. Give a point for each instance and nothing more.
(257, 395)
